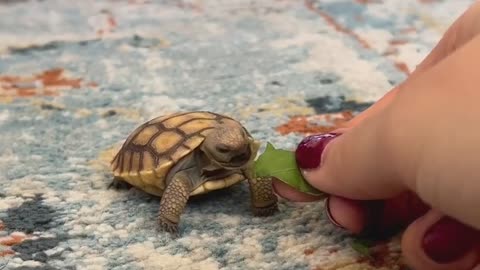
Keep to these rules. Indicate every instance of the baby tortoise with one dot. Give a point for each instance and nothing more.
(184, 154)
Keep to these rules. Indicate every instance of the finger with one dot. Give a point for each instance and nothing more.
(285, 191)
(350, 215)
(382, 157)
(440, 166)
(348, 165)
(347, 214)
(436, 242)
(382, 218)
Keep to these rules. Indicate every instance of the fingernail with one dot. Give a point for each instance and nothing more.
(309, 150)
(329, 214)
(448, 240)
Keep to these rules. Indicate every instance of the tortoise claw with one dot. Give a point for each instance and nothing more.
(168, 226)
(265, 211)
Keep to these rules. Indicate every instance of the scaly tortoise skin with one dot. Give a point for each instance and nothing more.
(185, 154)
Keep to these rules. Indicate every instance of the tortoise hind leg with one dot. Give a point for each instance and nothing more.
(264, 201)
(118, 183)
(173, 202)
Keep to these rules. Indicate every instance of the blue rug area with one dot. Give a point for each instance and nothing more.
(76, 77)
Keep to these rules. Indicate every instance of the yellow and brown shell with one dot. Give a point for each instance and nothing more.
(155, 147)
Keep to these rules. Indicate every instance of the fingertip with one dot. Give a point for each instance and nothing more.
(285, 191)
(346, 214)
(350, 164)
(446, 248)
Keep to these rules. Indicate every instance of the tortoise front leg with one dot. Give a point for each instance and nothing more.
(264, 201)
(173, 202)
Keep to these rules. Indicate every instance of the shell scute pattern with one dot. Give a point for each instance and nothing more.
(143, 138)
(194, 125)
(178, 121)
(192, 142)
(134, 162)
(165, 141)
(156, 146)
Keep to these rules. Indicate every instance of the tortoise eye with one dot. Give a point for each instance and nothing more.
(222, 148)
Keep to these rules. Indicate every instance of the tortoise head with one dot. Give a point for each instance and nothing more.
(229, 146)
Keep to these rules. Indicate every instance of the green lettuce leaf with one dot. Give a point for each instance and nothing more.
(282, 165)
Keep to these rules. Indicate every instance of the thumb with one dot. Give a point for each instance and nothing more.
(352, 164)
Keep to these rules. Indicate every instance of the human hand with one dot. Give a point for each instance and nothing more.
(412, 159)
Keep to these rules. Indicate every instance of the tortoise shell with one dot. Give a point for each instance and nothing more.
(154, 148)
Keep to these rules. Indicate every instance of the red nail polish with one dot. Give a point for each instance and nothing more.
(448, 240)
(309, 150)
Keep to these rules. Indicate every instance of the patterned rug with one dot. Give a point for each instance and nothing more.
(76, 77)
